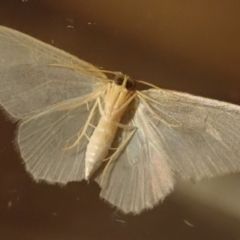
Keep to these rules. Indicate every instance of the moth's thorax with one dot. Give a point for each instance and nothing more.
(116, 101)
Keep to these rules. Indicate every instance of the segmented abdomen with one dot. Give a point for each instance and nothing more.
(98, 146)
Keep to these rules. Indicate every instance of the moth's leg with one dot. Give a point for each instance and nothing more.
(127, 102)
(86, 136)
(90, 97)
(88, 70)
(140, 94)
(148, 84)
(116, 153)
(133, 128)
(156, 87)
(69, 66)
(92, 125)
(83, 133)
(155, 115)
(87, 106)
(112, 122)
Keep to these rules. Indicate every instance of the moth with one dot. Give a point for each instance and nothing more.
(78, 122)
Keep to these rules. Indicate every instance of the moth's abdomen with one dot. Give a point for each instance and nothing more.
(98, 146)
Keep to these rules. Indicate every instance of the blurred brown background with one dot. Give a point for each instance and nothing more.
(190, 46)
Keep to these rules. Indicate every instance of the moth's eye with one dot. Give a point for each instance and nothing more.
(119, 79)
(130, 84)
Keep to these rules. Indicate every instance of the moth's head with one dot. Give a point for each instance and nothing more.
(119, 94)
(124, 81)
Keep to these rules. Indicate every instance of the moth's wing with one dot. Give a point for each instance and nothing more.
(29, 84)
(194, 137)
(198, 137)
(42, 141)
(140, 176)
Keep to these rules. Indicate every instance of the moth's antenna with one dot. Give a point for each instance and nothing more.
(148, 84)
(78, 68)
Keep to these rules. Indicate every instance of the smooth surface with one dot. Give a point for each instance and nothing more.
(41, 211)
